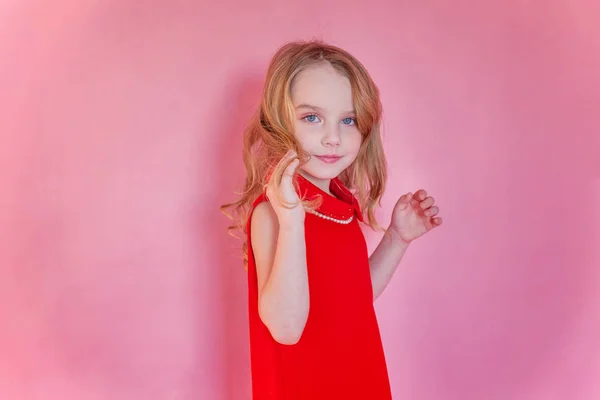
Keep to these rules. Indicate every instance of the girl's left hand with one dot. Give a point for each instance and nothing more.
(413, 216)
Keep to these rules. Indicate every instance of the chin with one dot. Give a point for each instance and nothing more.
(318, 176)
(322, 173)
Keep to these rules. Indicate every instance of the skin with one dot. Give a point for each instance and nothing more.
(325, 122)
(325, 125)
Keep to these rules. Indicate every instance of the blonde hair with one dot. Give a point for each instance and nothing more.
(270, 133)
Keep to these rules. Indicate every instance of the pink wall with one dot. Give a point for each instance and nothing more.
(120, 134)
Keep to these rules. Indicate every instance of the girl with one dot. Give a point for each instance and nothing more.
(315, 161)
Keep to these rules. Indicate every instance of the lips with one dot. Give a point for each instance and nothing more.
(329, 159)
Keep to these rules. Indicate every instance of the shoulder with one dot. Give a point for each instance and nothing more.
(263, 213)
(261, 208)
(264, 229)
(263, 221)
(258, 204)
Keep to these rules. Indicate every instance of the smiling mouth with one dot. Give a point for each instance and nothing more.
(329, 159)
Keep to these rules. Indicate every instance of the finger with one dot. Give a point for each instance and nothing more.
(436, 221)
(288, 156)
(421, 194)
(287, 159)
(430, 212)
(289, 171)
(404, 201)
(283, 161)
(428, 202)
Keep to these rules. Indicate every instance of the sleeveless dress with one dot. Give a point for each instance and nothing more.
(340, 354)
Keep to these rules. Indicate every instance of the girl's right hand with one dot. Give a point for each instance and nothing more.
(283, 198)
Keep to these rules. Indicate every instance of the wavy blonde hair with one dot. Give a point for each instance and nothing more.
(270, 133)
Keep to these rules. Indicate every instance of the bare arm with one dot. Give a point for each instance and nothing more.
(280, 255)
(412, 217)
(384, 261)
(279, 246)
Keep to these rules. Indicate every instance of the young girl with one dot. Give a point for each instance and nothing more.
(314, 162)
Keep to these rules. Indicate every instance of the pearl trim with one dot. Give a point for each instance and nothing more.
(328, 218)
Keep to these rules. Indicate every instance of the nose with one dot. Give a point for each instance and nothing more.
(331, 138)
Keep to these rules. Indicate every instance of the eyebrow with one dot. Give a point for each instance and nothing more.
(320, 109)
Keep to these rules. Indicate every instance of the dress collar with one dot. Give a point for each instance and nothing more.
(342, 205)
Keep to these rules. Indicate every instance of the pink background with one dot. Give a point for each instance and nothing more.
(120, 134)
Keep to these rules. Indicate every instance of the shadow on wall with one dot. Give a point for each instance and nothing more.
(226, 178)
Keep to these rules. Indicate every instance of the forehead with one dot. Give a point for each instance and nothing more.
(322, 86)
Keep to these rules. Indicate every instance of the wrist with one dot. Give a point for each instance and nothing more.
(396, 237)
(292, 223)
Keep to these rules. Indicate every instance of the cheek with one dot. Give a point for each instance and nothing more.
(354, 141)
(301, 135)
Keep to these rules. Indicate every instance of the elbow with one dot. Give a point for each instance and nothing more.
(289, 338)
(286, 331)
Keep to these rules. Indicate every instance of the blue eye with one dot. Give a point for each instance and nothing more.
(312, 118)
(349, 121)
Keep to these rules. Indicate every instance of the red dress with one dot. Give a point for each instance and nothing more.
(340, 355)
